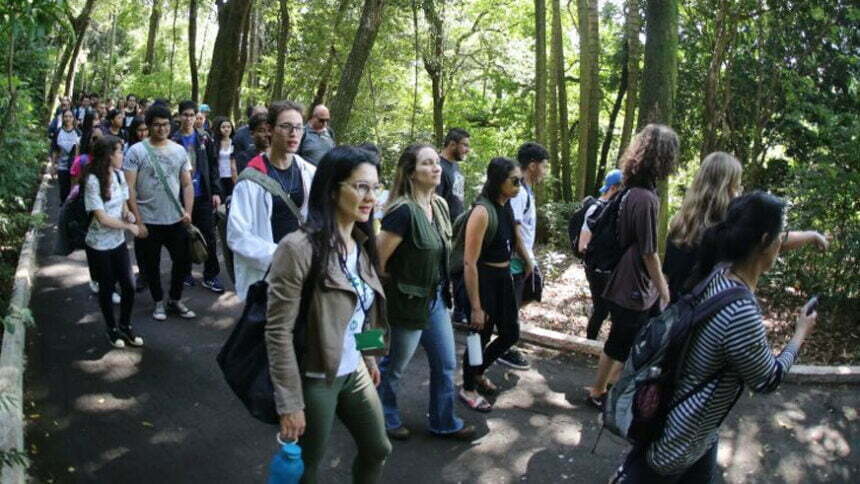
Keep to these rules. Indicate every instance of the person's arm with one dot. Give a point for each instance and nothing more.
(585, 231)
(794, 240)
(476, 226)
(240, 237)
(386, 243)
(187, 195)
(214, 176)
(234, 172)
(524, 253)
(131, 179)
(652, 265)
(290, 267)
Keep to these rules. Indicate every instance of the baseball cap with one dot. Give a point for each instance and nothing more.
(204, 108)
(612, 178)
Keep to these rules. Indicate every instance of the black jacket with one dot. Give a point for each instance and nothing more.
(207, 163)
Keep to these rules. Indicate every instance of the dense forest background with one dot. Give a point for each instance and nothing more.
(776, 83)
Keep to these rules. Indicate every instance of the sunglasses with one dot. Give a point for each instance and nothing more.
(516, 180)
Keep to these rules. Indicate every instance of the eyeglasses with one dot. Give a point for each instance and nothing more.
(165, 124)
(290, 128)
(516, 180)
(363, 188)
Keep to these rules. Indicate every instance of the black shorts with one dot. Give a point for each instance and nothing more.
(625, 325)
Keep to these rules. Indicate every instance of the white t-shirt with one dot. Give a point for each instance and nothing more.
(224, 162)
(98, 236)
(351, 357)
(66, 141)
(525, 214)
(588, 214)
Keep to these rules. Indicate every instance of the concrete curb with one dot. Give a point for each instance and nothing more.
(797, 374)
(12, 352)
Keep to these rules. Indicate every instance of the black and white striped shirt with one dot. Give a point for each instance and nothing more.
(733, 341)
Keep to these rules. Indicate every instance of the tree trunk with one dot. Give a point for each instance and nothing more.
(107, 81)
(415, 75)
(281, 55)
(243, 63)
(566, 191)
(553, 126)
(589, 97)
(325, 74)
(434, 65)
(714, 110)
(154, 19)
(347, 89)
(223, 81)
(540, 71)
(192, 49)
(172, 48)
(659, 78)
(632, 28)
(610, 130)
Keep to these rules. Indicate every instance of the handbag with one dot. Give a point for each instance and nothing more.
(198, 248)
(244, 360)
(533, 287)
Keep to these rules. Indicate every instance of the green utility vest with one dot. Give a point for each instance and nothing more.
(416, 265)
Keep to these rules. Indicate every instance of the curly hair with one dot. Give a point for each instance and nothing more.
(651, 157)
(716, 183)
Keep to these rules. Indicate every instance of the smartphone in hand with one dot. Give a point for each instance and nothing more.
(813, 302)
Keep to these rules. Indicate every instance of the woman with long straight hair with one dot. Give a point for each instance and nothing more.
(488, 294)
(728, 352)
(223, 154)
(105, 197)
(329, 267)
(63, 147)
(414, 245)
(137, 131)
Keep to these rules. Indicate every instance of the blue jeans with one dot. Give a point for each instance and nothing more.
(438, 342)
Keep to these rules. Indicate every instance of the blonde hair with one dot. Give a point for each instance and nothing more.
(716, 183)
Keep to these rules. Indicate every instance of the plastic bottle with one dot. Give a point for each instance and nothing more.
(287, 466)
(473, 343)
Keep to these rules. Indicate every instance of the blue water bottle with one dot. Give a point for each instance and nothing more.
(287, 466)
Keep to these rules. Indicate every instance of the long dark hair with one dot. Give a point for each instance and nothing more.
(87, 128)
(132, 130)
(336, 166)
(498, 172)
(216, 129)
(99, 164)
(752, 221)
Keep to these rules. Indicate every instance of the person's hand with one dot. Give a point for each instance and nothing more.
(820, 240)
(129, 217)
(530, 267)
(375, 376)
(664, 298)
(292, 425)
(142, 231)
(479, 318)
(186, 218)
(216, 202)
(806, 323)
(134, 229)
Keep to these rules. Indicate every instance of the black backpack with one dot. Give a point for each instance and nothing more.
(574, 224)
(605, 250)
(244, 359)
(72, 226)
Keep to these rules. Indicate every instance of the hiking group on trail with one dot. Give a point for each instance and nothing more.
(355, 277)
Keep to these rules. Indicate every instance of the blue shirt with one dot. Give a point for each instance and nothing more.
(190, 143)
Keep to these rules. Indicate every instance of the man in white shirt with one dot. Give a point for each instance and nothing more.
(533, 159)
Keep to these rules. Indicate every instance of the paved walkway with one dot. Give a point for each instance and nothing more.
(163, 414)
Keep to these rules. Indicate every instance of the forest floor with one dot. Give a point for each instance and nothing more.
(566, 305)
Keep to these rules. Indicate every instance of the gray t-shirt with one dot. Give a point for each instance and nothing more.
(316, 145)
(154, 203)
(98, 236)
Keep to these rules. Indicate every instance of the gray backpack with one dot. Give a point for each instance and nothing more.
(637, 406)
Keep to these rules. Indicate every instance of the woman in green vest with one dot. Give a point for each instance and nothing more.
(414, 245)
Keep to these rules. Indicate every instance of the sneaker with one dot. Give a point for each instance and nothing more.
(129, 337)
(116, 298)
(189, 281)
(181, 309)
(467, 434)
(400, 433)
(514, 359)
(115, 339)
(213, 284)
(159, 314)
(94, 287)
(139, 283)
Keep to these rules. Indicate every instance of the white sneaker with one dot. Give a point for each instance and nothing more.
(94, 287)
(116, 298)
(159, 314)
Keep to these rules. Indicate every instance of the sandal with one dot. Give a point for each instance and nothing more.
(479, 404)
(596, 402)
(485, 386)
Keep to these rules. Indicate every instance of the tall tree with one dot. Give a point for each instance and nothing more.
(589, 95)
(540, 71)
(223, 81)
(715, 110)
(154, 19)
(284, 30)
(557, 52)
(659, 78)
(341, 105)
(192, 49)
(73, 46)
(632, 28)
(610, 130)
(325, 73)
(434, 60)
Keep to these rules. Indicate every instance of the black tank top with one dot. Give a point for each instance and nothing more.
(501, 247)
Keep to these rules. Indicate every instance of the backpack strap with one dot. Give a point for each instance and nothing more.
(160, 175)
(273, 187)
(492, 219)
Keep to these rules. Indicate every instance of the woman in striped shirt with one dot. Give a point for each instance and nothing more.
(728, 351)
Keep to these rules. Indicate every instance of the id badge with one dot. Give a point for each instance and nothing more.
(372, 339)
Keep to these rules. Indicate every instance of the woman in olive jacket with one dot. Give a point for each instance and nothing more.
(414, 244)
(335, 373)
